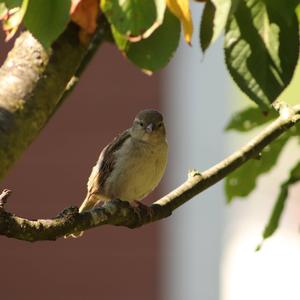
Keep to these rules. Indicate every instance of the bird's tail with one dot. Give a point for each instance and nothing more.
(89, 202)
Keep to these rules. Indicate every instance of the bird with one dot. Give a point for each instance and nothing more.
(131, 166)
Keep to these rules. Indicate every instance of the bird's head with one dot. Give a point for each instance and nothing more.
(148, 126)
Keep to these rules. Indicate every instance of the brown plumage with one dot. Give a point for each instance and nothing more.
(131, 166)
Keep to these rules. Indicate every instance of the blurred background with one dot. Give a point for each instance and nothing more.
(205, 250)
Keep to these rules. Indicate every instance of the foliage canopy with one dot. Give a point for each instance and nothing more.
(261, 49)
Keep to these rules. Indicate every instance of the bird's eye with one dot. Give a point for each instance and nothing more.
(142, 124)
(159, 125)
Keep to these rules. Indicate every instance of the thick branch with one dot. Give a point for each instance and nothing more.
(33, 82)
(122, 214)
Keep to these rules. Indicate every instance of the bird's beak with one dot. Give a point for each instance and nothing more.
(149, 128)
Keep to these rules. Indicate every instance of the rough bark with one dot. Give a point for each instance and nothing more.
(33, 82)
(122, 214)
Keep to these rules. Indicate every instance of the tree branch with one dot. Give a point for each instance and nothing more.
(120, 213)
(33, 81)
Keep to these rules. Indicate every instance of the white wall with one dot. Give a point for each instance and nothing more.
(195, 105)
(207, 247)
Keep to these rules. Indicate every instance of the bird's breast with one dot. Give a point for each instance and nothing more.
(137, 171)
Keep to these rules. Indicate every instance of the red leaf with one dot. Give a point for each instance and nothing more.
(84, 13)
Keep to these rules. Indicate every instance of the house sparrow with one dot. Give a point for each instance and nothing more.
(132, 165)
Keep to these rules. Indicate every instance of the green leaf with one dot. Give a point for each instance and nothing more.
(160, 13)
(213, 20)
(206, 25)
(278, 208)
(262, 47)
(121, 42)
(17, 10)
(3, 8)
(154, 52)
(242, 181)
(130, 17)
(47, 19)
(298, 12)
(13, 3)
(250, 118)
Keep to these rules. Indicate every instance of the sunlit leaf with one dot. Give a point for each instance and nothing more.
(262, 48)
(3, 10)
(298, 12)
(213, 21)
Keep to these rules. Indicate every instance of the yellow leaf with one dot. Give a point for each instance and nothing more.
(181, 9)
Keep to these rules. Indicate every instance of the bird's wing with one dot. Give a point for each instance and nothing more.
(106, 160)
(101, 171)
(105, 164)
